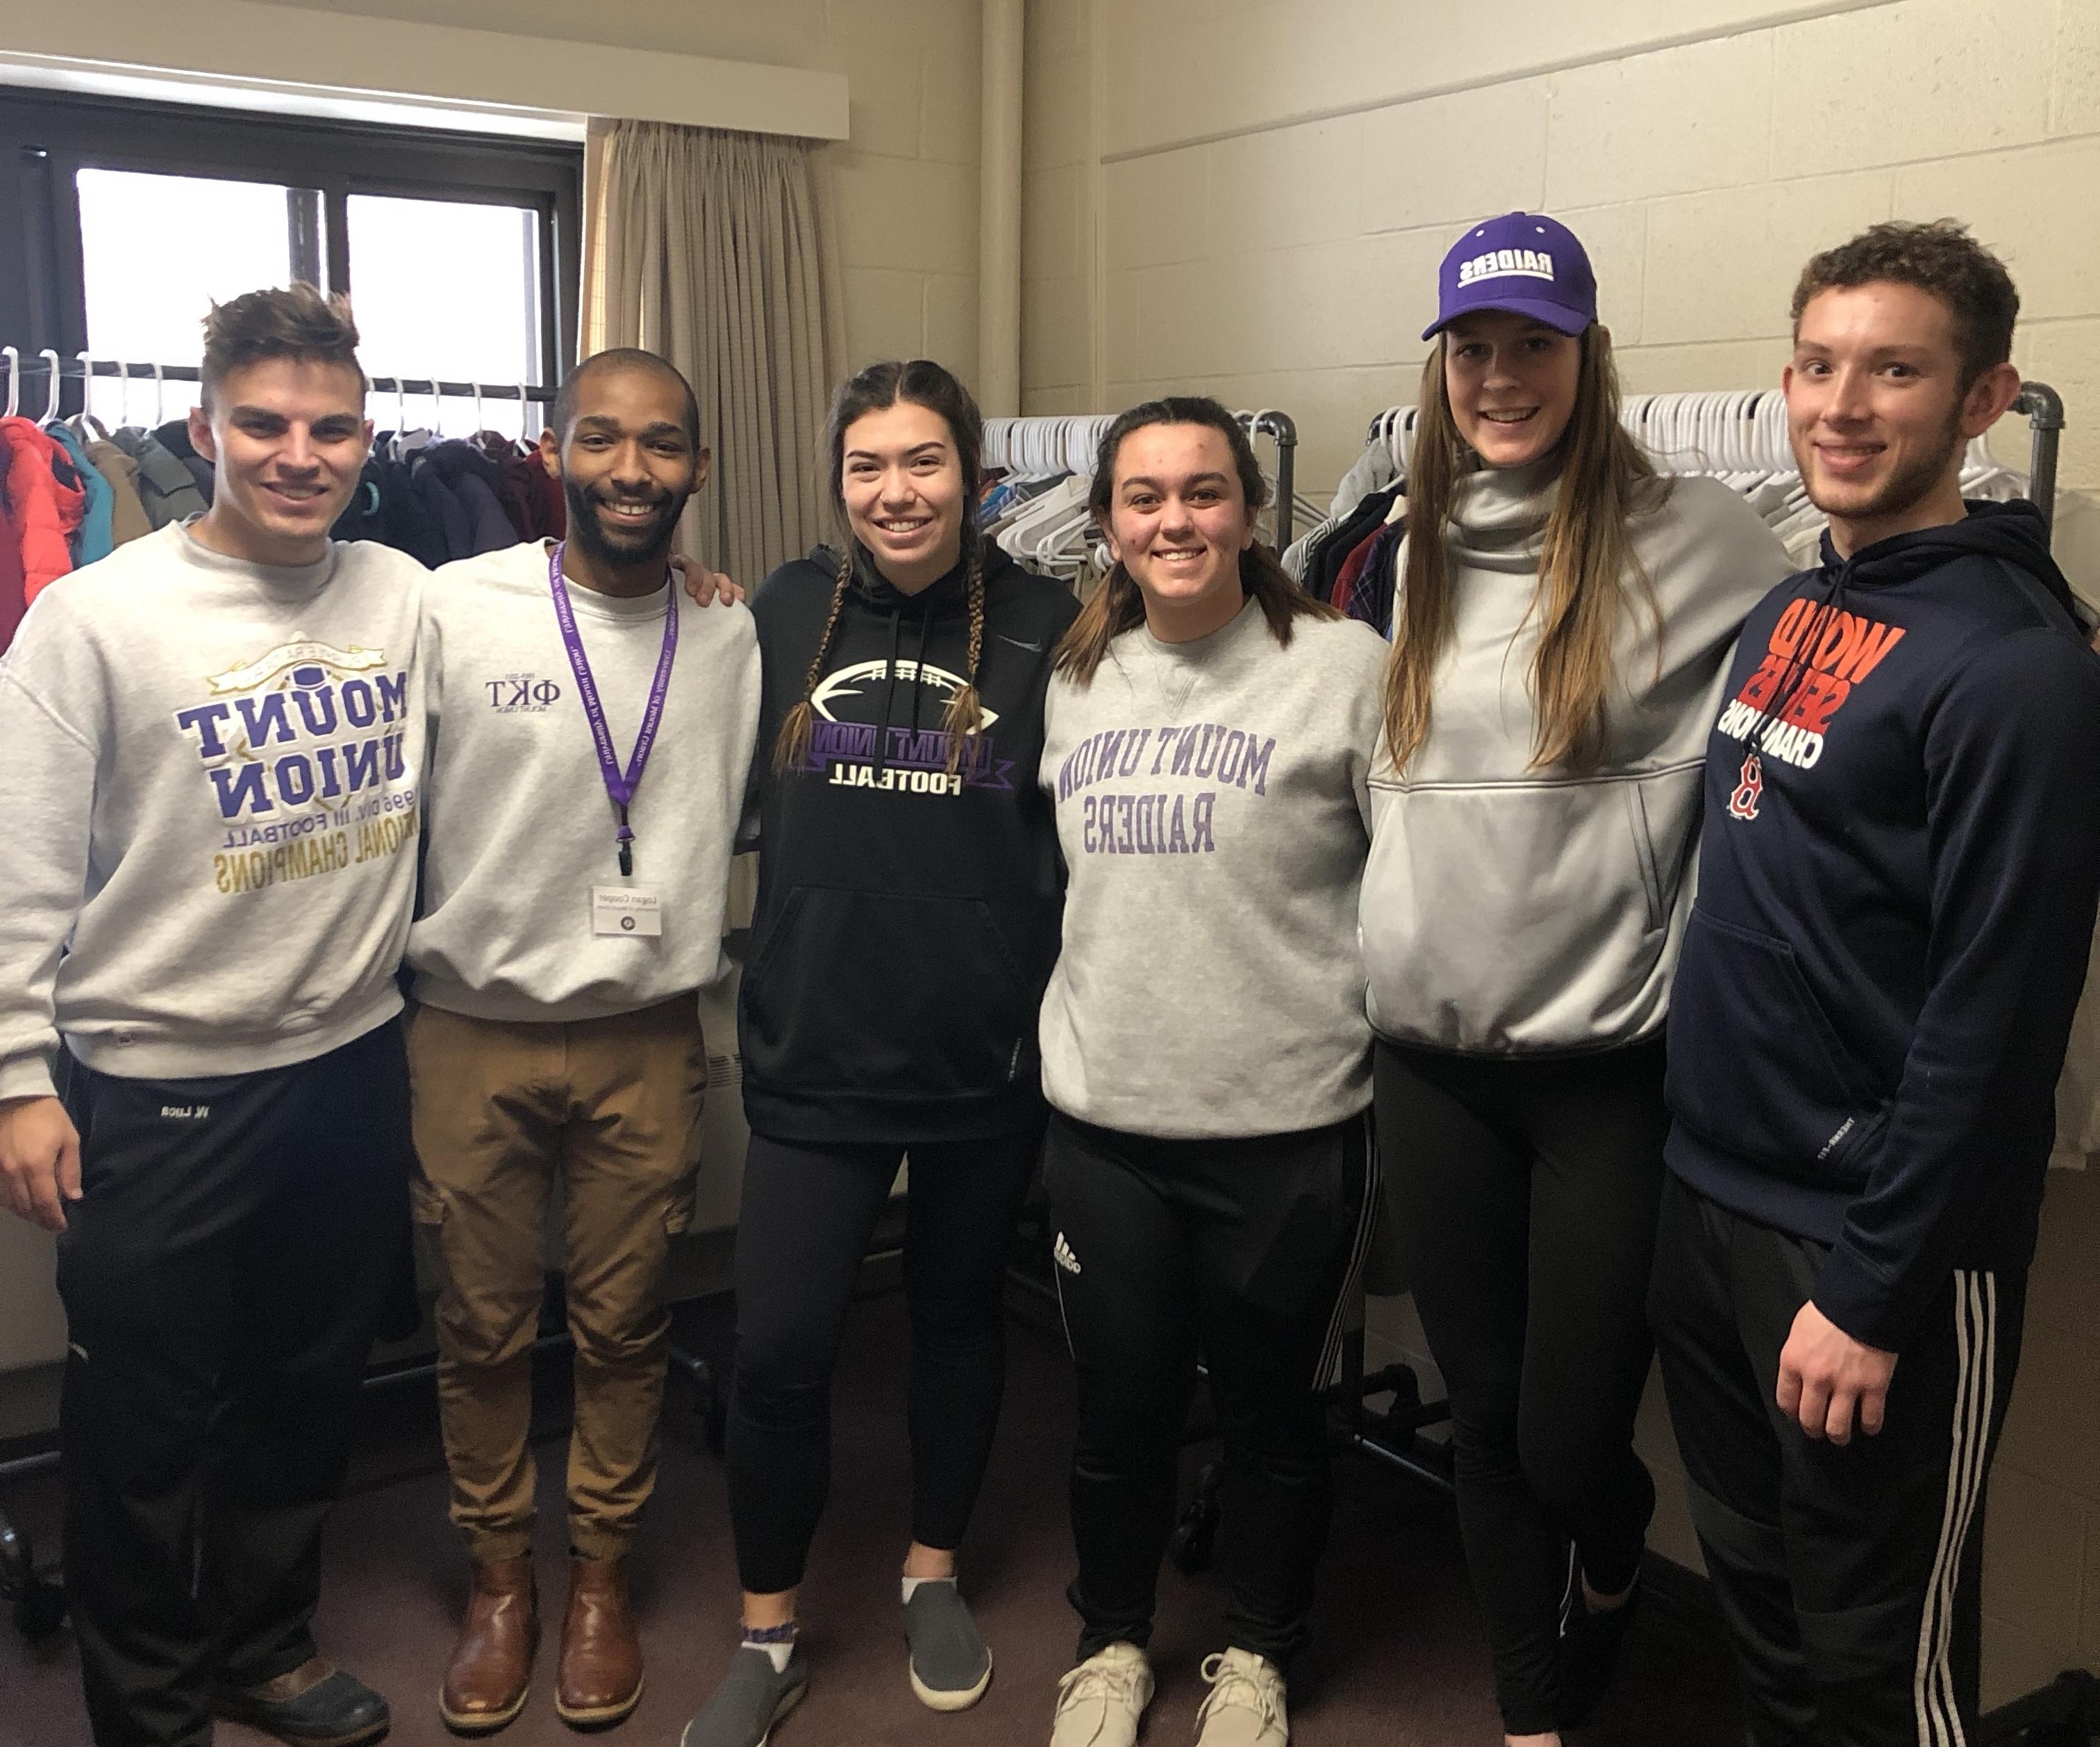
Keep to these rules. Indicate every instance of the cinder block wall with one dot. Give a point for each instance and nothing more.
(1250, 197)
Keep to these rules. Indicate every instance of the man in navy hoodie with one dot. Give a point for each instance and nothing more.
(1896, 898)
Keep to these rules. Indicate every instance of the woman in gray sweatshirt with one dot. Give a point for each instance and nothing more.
(1561, 633)
(1209, 734)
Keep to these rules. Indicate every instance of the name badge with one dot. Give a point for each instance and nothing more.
(632, 910)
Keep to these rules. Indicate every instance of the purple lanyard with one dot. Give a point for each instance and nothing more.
(621, 788)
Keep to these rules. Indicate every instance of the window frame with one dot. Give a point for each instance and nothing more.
(46, 139)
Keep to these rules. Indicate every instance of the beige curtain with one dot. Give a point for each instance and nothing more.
(710, 248)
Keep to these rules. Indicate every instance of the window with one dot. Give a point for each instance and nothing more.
(460, 254)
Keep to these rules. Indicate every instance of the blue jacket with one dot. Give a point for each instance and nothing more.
(1897, 883)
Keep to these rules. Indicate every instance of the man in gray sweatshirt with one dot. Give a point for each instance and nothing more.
(215, 750)
(592, 729)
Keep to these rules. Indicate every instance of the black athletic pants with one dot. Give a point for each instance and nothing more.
(808, 1215)
(222, 1277)
(1849, 1576)
(1244, 1249)
(1525, 1194)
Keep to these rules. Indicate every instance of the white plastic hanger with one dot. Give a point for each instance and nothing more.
(14, 380)
(52, 388)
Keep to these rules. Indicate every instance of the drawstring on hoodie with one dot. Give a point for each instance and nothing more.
(925, 624)
(890, 691)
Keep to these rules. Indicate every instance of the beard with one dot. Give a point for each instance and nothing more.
(647, 541)
(1911, 482)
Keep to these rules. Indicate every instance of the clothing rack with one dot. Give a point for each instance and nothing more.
(55, 370)
(1071, 444)
(1746, 430)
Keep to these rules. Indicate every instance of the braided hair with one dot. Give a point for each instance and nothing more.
(921, 382)
(793, 745)
(964, 720)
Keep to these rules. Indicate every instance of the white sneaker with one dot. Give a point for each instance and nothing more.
(1099, 1703)
(1246, 1705)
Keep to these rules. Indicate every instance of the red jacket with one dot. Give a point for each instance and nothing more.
(45, 500)
(12, 605)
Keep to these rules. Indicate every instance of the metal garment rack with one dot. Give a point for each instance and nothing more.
(1069, 442)
(49, 369)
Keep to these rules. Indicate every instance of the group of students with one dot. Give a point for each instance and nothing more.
(1168, 895)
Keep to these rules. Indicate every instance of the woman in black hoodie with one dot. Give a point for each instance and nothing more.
(909, 904)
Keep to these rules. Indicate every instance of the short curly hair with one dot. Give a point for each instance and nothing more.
(297, 320)
(1941, 258)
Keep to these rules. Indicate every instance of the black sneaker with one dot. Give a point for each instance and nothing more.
(950, 1667)
(338, 1710)
(1587, 1655)
(752, 1698)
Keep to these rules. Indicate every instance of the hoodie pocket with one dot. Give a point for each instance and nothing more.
(1755, 1066)
(880, 992)
(1524, 915)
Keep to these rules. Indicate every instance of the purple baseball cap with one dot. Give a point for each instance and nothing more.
(1523, 261)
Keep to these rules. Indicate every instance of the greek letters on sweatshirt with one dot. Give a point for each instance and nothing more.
(907, 917)
(1510, 911)
(521, 829)
(211, 793)
(1211, 804)
(1896, 898)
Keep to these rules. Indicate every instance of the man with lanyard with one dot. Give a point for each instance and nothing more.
(572, 905)
(1897, 885)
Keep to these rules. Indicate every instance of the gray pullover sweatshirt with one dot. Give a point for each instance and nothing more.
(1212, 810)
(522, 831)
(1508, 910)
(211, 796)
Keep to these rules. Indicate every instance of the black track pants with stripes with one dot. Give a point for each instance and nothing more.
(1849, 1575)
(1245, 1249)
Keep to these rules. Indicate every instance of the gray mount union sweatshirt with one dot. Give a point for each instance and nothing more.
(521, 829)
(1508, 910)
(1212, 812)
(210, 793)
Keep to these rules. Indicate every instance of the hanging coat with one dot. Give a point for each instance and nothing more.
(92, 539)
(46, 499)
(13, 603)
(127, 515)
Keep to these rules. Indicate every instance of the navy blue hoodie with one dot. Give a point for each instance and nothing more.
(1897, 881)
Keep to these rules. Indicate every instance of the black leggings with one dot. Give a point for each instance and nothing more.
(807, 1217)
(1526, 1192)
(1246, 1248)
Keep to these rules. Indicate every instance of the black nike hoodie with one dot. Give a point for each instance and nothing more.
(907, 919)
(1897, 882)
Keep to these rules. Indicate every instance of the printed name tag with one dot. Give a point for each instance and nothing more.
(637, 910)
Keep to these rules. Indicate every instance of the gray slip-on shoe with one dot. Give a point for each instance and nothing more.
(950, 1667)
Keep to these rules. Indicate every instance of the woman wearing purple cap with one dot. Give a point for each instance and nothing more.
(1561, 633)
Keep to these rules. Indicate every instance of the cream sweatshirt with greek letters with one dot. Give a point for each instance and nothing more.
(207, 810)
(521, 827)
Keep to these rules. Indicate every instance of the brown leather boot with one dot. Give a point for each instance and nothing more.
(487, 1679)
(601, 1678)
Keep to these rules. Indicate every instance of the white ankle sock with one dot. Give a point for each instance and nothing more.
(911, 1584)
(777, 1643)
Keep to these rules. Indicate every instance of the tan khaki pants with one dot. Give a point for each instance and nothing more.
(610, 1108)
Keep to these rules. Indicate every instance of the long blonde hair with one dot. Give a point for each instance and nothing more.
(1587, 565)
